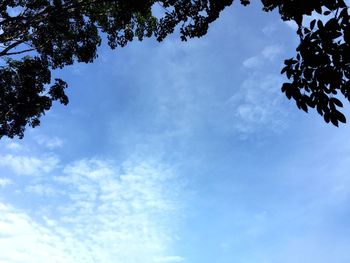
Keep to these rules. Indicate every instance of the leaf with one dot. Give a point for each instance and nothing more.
(319, 24)
(336, 102)
(334, 121)
(288, 93)
(284, 69)
(344, 13)
(326, 117)
(304, 107)
(285, 86)
(312, 24)
(318, 9)
(340, 116)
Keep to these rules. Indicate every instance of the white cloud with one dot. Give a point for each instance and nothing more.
(13, 146)
(24, 240)
(105, 213)
(5, 182)
(124, 211)
(42, 189)
(253, 62)
(48, 142)
(258, 105)
(26, 165)
(272, 51)
(291, 24)
(269, 29)
(93, 169)
(268, 54)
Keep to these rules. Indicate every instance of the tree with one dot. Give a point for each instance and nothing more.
(38, 36)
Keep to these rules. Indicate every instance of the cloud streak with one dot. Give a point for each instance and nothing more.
(258, 105)
(27, 165)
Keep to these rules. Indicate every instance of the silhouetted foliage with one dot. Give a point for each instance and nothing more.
(38, 36)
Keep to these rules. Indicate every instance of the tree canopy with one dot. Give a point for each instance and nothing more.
(38, 36)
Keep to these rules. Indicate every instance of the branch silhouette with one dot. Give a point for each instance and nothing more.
(63, 32)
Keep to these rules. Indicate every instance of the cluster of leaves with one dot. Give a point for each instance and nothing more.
(22, 84)
(52, 34)
(38, 36)
(320, 72)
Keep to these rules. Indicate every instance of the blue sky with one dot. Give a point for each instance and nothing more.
(180, 152)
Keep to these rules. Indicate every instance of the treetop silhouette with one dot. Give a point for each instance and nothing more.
(38, 36)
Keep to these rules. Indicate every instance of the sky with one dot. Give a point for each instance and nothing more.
(180, 152)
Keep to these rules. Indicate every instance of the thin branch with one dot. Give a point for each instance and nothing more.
(18, 52)
(13, 45)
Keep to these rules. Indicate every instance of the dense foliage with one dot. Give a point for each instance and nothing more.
(38, 36)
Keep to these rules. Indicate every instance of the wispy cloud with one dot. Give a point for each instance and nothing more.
(268, 54)
(291, 24)
(258, 105)
(42, 189)
(253, 62)
(269, 29)
(272, 51)
(13, 146)
(5, 181)
(49, 142)
(27, 165)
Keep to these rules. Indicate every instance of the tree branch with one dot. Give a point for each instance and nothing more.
(19, 52)
(13, 45)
